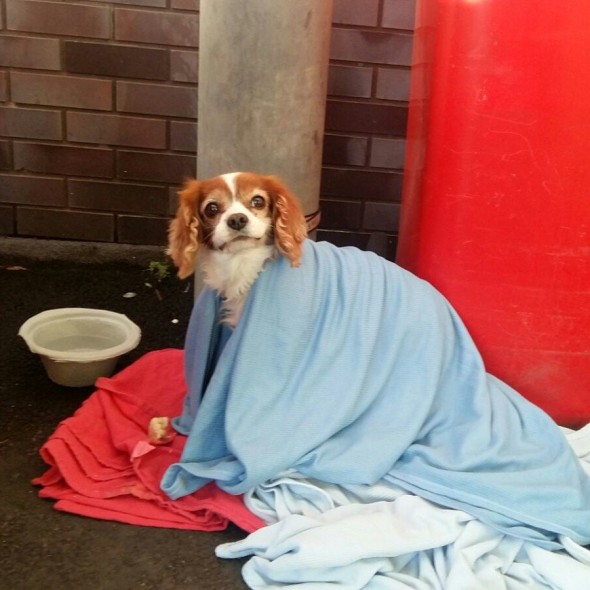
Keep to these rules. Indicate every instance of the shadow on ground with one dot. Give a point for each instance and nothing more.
(43, 548)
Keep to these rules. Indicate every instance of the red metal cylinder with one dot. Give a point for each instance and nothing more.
(496, 202)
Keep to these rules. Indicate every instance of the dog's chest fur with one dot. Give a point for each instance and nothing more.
(232, 275)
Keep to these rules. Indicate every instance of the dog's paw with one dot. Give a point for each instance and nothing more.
(160, 431)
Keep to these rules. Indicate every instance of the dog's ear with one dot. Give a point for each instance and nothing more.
(183, 233)
(290, 228)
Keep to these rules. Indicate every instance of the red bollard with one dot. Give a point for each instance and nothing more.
(496, 202)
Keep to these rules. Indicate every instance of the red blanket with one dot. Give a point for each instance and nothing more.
(101, 464)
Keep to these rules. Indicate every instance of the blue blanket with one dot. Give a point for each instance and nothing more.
(350, 370)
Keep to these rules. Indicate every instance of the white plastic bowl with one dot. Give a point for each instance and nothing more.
(78, 345)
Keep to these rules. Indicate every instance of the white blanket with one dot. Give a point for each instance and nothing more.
(325, 536)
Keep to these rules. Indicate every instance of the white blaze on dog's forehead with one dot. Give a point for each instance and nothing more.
(230, 180)
(235, 207)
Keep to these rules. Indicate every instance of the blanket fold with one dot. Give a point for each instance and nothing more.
(378, 537)
(351, 370)
(360, 537)
(102, 466)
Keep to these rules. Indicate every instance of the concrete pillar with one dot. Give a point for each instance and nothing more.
(262, 90)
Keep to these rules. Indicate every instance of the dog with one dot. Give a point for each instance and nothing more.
(232, 224)
(235, 223)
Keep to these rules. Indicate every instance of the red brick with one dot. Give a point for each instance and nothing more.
(345, 150)
(341, 214)
(58, 18)
(388, 153)
(114, 196)
(371, 46)
(150, 3)
(32, 190)
(184, 66)
(350, 81)
(399, 14)
(116, 60)
(69, 225)
(172, 200)
(185, 4)
(155, 167)
(142, 26)
(353, 12)
(132, 229)
(381, 217)
(366, 118)
(157, 99)
(57, 159)
(183, 136)
(393, 84)
(361, 184)
(116, 130)
(384, 244)
(29, 52)
(30, 123)
(7, 221)
(5, 156)
(65, 91)
(3, 86)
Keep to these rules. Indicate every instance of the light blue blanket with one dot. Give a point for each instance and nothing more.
(350, 370)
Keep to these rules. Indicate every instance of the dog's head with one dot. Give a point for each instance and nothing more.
(234, 212)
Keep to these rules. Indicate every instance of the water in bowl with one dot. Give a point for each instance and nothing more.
(81, 343)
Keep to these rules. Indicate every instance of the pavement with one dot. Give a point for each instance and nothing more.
(39, 546)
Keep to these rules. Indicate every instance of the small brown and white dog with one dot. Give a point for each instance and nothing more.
(235, 222)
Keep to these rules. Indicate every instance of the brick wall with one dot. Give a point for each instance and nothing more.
(98, 105)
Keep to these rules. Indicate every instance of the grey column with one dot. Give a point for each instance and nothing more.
(262, 90)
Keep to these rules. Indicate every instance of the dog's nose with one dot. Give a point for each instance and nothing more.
(237, 221)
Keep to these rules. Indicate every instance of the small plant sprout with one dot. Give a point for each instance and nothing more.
(159, 272)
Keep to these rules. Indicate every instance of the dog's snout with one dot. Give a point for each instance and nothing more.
(237, 221)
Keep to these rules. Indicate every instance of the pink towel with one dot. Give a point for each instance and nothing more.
(101, 464)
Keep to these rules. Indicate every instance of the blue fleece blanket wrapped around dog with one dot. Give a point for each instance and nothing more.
(351, 370)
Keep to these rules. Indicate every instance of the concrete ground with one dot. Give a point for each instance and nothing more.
(41, 547)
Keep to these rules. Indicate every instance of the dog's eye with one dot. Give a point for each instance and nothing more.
(258, 202)
(211, 210)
